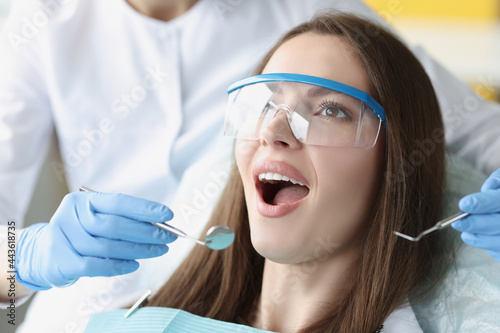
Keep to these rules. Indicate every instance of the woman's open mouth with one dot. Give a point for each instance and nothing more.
(278, 194)
(278, 190)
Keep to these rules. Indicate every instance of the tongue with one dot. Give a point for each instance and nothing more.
(290, 194)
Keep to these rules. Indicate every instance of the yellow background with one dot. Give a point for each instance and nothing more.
(479, 9)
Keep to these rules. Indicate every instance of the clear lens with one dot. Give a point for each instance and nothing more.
(316, 115)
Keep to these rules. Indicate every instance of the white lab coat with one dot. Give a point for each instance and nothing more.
(138, 107)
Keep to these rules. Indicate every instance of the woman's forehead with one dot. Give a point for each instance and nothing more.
(325, 56)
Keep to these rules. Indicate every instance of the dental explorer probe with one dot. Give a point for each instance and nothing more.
(217, 238)
(438, 226)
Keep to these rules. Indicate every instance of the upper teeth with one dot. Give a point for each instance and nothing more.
(276, 176)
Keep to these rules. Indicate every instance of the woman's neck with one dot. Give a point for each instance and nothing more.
(164, 10)
(294, 296)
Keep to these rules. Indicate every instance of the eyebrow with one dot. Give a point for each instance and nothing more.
(319, 91)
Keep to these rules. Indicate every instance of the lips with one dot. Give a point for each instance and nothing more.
(280, 188)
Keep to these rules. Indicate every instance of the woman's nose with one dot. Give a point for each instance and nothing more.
(278, 132)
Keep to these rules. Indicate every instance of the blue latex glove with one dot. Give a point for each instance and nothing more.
(482, 228)
(91, 234)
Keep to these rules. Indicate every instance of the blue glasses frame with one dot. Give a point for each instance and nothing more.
(317, 81)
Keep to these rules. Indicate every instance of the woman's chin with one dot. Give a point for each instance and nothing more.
(278, 252)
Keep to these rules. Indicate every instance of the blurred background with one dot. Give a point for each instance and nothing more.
(462, 35)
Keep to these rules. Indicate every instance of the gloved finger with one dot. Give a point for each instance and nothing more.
(486, 242)
(118, 204)
(479, 224)
(122, 228)
(91, 266)
(131, 207)
(89, 246)
(492, 183)
(481, 202)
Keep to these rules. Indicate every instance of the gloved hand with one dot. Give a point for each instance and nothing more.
(91, 234)
(482, 228)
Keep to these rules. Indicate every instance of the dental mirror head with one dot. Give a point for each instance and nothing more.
(219, 237)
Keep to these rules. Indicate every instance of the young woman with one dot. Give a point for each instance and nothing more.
(328, 135)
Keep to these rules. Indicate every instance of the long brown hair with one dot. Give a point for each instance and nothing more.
(226, 285)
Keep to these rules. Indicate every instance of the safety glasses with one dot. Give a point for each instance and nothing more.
(319, 111)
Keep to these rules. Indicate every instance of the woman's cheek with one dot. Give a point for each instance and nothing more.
(244, 152)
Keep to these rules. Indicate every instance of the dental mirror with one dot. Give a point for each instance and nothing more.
(217, 238)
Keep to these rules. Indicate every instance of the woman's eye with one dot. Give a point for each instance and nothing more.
(333, 112)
